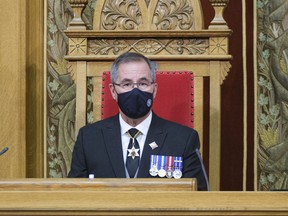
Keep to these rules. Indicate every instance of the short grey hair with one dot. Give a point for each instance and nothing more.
(132, 57)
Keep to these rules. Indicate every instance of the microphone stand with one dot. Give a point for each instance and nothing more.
(4, 150)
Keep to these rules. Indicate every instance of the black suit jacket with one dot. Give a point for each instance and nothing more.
(98, 150)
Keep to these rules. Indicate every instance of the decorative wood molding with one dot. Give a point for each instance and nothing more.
(141, 34)
(218, 21)
(77, 46)
(149, 46)
(218, 45)
(154, 58)
(224, 70)
(78, 7)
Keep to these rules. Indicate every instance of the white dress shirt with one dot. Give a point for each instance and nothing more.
(143, 127)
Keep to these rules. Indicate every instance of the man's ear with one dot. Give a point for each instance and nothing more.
(155, 90)
(113, 91)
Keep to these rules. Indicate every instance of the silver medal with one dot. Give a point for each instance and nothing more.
(169, 173)
(177, 174)
(153, 171)
(162, 173)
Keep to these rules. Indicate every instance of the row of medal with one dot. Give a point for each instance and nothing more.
(169, 166)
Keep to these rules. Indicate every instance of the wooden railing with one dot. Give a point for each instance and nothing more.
(130, 197)
(113, 184)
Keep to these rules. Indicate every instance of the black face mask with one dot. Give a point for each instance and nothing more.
(135, 103)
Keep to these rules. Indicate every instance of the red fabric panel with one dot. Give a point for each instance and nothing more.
(174, 99)
(109, 106)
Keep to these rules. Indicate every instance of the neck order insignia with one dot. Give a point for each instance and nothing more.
(133, 152)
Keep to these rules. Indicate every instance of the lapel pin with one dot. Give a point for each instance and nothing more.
(153, 145)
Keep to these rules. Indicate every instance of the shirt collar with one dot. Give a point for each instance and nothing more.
(143, 126)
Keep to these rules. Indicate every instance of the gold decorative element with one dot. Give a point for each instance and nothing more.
(218, 45)
(121, 15)
(225, 68)
(174, 15)
(219, 7)
(77, 22)
(77, 46)
(149, 46)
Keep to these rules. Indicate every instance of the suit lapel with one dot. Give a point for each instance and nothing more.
(157, 135)
(113, 144)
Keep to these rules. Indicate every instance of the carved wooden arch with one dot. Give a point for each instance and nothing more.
(148, 15)
(203, 51)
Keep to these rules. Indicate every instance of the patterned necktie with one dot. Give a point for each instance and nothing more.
(133, 152)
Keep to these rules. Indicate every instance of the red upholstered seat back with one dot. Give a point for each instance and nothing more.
(174, 100)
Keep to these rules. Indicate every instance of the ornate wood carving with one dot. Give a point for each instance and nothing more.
(77, 22)
(218, 21)
(173, 15)
(150, 46)
(218, 45)
(131, 15)
(121, 15)
(224, 70)
(77, 46)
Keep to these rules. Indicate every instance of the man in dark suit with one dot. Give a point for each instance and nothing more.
(153, 147)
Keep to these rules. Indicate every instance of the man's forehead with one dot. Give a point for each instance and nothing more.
(136, 71)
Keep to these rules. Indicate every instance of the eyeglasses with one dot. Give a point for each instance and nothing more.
(143, 85)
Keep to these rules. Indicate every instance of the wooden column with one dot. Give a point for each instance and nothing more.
(13, 88)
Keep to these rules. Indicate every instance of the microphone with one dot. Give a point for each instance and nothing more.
(4, 150)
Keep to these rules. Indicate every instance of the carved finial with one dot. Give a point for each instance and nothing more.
(77, 22)
(218, 21)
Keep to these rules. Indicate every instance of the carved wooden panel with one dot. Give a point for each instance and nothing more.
(147, 15)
